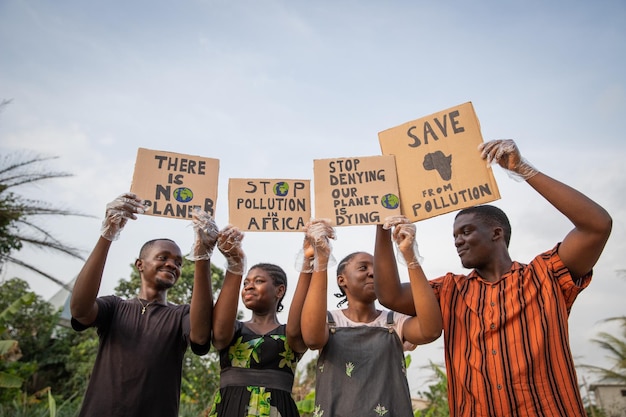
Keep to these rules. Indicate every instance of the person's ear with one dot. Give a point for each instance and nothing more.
(341, 281)
(139, 265)
(498, 233)
(280, 291)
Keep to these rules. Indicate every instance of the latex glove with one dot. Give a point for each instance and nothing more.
(117, 214)
(315, 254)
(403, 236)
(506, 153)
(229, 243)
(206, 232)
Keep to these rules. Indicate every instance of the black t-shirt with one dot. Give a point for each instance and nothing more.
(139, 364)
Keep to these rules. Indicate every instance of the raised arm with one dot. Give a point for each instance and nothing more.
(582, 246)
(315, 249)
(313, 317)
(225, 310)
(83, 304)
(390, 292)
(294, 325)
(201, 310)
(427, 323)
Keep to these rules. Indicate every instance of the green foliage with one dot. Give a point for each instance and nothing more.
(615, 346)
(437, 394)
(18, 215)
(304, 388)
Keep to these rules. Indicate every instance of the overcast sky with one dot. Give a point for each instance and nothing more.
(266, 87)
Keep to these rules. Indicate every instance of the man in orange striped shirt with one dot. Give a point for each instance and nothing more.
(505, 324)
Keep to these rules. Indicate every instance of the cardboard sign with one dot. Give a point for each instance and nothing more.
(439, 166)
(269, 205)
(174, 184)
(355, 191)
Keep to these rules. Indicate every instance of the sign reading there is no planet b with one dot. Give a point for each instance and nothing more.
(173, 184)
(439, 166)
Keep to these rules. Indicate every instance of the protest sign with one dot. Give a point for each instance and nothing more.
(173, 184)
(356, 191)
(439, 166)
(269, 205)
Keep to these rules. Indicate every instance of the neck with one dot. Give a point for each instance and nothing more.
(361, 313)
(495, 269)
(269, 318)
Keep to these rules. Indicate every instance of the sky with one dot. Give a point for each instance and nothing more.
(268, 87)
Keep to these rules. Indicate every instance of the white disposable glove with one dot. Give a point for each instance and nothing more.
(403, 236)
(206, 232)
(229, 243)
(315, 254)
(506, 153)
(117, 214)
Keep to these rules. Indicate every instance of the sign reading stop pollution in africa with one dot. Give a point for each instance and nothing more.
(356, 191)
(173, 184)
(439, 166)
(269, 205)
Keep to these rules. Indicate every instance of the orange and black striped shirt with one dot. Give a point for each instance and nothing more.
(507, 343)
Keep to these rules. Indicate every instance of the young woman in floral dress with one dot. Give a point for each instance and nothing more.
(258, 357)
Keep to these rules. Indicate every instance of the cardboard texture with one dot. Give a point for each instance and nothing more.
(356, 191)
(173, 184)
(269, 205)
(439, 166)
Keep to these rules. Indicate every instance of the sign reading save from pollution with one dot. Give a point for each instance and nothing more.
(269, 205)
(439, 166)
(173, 184)
(356, 191)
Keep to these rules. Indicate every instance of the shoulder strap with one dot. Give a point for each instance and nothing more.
(390, 321)
(331, 322)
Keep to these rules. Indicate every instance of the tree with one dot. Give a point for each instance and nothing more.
(17, 214)
(616, 347)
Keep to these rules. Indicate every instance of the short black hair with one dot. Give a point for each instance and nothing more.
(151, 243)
(490, 215)
(279, 277)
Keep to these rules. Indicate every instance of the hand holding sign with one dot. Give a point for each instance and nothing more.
(315, 254)
(404, 238)
(229, 243)
(206, 235)
(506, 153)
(117, 214)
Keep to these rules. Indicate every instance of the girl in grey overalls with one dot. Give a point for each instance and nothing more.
(361, 369)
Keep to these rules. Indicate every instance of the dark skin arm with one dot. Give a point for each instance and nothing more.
(427, 324)
(390, 292)
(83, 304)
(313, 316)
(225, 310)
(201, 309)
(582, 246)
(294, 325)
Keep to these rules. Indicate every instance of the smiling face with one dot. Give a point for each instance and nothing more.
(159, 263)
(357, 278)
(259, 292)
(476, 241)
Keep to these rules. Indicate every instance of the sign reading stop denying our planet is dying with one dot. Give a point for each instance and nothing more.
(173, 184)
(439, 166)
(356, 191)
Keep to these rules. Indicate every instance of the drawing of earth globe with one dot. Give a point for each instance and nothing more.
(281, 188)
(390, 201)
(183, 195)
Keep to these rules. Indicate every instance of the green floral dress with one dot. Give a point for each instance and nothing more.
(256, 375)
